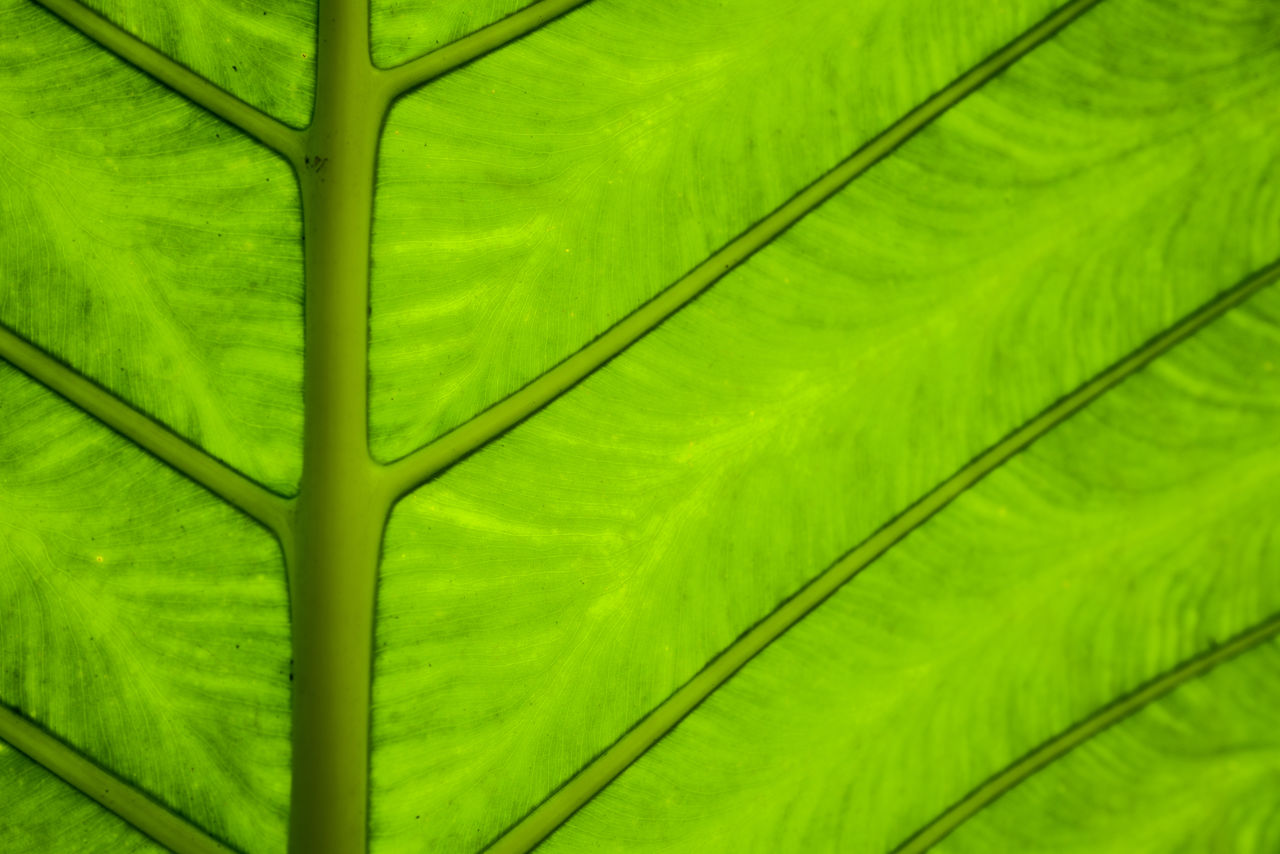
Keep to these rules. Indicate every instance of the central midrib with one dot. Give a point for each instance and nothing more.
(340, 509)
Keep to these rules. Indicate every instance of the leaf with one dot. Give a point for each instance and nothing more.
(720, 426)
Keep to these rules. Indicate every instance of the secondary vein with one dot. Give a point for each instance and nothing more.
(964, 809)
(415, 469)
(121, 798)
(601, 771)
(263, 505)
(401, 78)
(267, 130)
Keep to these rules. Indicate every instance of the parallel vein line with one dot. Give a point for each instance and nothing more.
(1058, 746)
(423, 464)
(267, 130)
(117, 796)
(601, 771)
(401, 78)
(257, 501)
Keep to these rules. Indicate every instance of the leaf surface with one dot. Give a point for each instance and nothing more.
(698, 426)
(150, 246)
(566, 580)
(404, 30)
(262, 52)
(145, 622)
(1128, 789)
(1103, 526)
(41, 813)
(529, 201)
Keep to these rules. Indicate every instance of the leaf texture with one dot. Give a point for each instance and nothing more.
(41, 813)
(1135, 536)
(262, 52)
(564, 581)
(526, 203)
(144, 622)
(714, 425)
(150, 246)
(1128, 790)
(404, 30)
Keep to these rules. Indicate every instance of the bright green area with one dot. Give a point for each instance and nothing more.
(541, 597)
(1138, 534)
(261, 51)
(150, 246)
(145, 623)
(42, 813)
(406, 29)
(533, 198)
(1197, 772)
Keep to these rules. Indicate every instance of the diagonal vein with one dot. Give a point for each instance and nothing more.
(401, 78)
(601, 771)
(267, 130)
(964, 809)
(423, 464)
(124, 800)
(257, 501)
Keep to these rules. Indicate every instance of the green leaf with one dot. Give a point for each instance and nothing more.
(41, 813)
(680, 426)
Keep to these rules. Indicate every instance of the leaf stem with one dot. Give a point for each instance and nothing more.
(108, 790)
(334, 559)
(601, 771)
(273, 511)
(267, 130)
(401, 78)
(415, 469)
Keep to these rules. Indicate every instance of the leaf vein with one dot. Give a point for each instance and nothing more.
(601, 771)
(273, 511)
(413, 470)
(409, 75)
(1066, 741)
(126, 801)
(269, 131)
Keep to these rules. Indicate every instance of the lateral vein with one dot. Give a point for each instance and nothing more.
(401, 78)
(267, 130)
(597, 774)
(415, 469)
(263, 505)
(1058, 746)
(119, 797)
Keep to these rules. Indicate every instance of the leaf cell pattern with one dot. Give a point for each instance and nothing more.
(684, 426)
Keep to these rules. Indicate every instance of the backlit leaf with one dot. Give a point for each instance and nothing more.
(691, 426)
